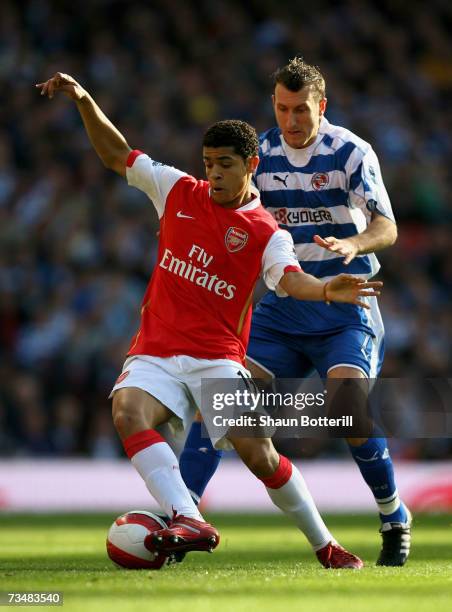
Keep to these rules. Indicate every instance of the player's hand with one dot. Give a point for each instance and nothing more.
(344, 246)
(64, 83)
(349, 289)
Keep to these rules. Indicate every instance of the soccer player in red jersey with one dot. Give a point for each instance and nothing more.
(215, 241)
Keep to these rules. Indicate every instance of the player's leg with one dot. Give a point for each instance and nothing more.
(271, 355)
(288, 491)
(136, 414)
(142, 396)
(141, 400)
(375, 464)
(199, 460)
(374, 461)
(354, 354)
(284, 482)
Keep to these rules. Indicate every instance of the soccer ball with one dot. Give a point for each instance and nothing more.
(125, 540)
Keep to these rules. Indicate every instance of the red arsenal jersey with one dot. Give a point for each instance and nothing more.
(199, 299)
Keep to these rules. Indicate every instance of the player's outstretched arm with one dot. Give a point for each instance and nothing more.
(342, 288)
(109, 143)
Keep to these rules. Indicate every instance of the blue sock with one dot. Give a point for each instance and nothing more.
(375, 465)
(198, 462)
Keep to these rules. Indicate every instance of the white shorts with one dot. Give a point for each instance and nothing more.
(176, 383)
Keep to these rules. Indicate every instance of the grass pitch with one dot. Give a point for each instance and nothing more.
(262, 564)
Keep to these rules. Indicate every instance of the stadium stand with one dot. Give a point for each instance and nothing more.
(77, 245)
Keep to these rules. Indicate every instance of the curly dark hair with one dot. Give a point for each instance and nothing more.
(233, 133)
(297, 73)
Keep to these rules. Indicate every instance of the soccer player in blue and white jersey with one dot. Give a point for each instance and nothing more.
(323, 184)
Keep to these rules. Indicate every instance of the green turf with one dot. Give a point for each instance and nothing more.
(262, 564)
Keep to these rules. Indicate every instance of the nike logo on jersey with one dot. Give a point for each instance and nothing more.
(181, 215)
(281, 180)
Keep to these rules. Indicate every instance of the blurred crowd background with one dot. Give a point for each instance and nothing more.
(77, 245)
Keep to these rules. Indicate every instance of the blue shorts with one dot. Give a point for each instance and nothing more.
(297, 356)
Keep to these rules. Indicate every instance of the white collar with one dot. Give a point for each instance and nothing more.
(255, 202)
(299, 157)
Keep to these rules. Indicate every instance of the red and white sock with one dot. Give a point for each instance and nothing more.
(288, 491)
(158, 467)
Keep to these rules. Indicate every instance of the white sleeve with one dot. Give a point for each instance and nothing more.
(152, 177)
(279, 255)
(367, 190)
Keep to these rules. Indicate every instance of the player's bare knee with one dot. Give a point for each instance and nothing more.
(131, 413)
(125, 413)
(134, 410)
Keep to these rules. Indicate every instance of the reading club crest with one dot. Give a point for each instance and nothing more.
(235, 239)
(320, 180)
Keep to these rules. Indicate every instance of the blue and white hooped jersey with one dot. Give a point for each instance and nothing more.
(330, 188)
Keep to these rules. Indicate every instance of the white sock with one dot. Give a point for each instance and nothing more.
(288, 491)
(158, 466)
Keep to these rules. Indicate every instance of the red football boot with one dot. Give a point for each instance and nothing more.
(333, 556)
(183, 535)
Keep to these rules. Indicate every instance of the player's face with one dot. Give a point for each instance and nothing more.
(298, 114)
(229, 175)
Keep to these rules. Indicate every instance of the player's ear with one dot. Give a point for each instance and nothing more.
(322, 106)
(252, 164)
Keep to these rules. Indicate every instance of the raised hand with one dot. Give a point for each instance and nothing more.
(348, 288)
(64, 83)
(343, 246)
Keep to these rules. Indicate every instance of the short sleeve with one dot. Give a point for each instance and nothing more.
(279, 258)
(153, 178)
(367, 190)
